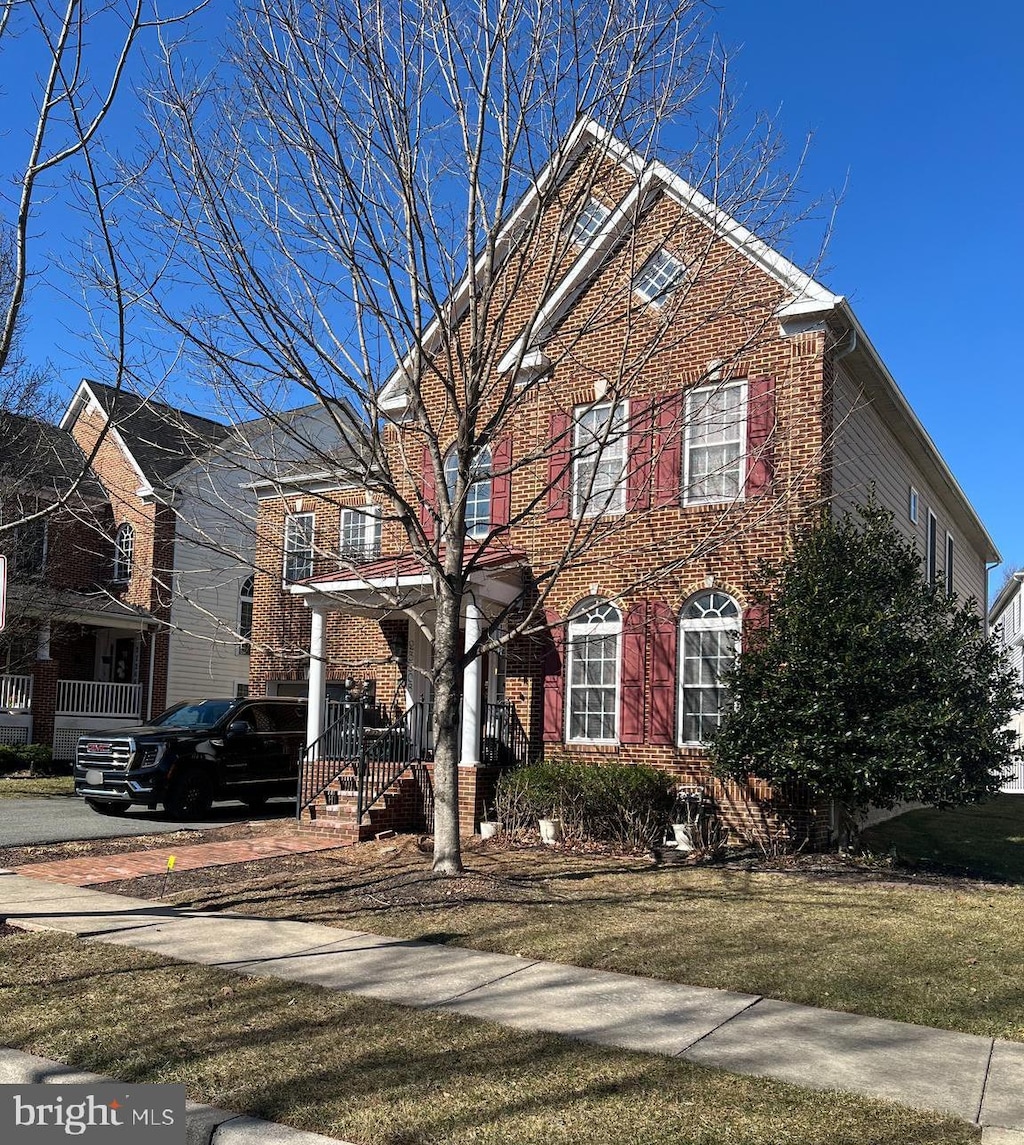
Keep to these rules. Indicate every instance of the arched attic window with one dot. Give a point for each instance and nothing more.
(710, 635)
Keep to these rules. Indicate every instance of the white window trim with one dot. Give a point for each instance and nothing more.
(604, 628)
(370, 510)
(931, 541)
(580, 235)
(579, 509)
(289, 518)
(950, 558)
(913, 504)
(123, 568)
(693, 394)
(246, 595)
(662, 295)
(702, 624)
(481, 529)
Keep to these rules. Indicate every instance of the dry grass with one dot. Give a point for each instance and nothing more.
(945, 954)
(24, 787)
(376, 1073)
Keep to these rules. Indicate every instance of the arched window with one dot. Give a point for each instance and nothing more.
(124, 552)
(710, 638)
(478, 496)
(245, 615)
(593, 640)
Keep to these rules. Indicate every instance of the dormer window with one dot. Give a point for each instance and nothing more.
(124, 552)
(589, 221)
(659, 276)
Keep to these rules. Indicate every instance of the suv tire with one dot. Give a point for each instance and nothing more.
(189, 795)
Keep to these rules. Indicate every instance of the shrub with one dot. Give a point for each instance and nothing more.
(23, 756)
(626, 804)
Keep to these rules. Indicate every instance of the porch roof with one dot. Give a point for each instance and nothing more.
(402, 582)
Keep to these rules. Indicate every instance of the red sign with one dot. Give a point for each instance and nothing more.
(3, 591)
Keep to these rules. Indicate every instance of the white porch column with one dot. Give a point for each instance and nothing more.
(471, 689)
(317, 676)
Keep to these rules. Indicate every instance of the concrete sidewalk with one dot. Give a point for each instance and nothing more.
(975, 1078)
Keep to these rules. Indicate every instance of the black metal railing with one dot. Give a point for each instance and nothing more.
(505, 741)
(365, 754)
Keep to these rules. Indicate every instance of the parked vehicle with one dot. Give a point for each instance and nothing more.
(193, 754)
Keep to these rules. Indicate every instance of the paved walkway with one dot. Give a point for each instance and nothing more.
(133, 864)
(975, 1078)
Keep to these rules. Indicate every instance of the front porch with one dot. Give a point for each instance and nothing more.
(84, 667)
(368, 767)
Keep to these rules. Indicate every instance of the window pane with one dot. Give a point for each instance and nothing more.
(715, 434)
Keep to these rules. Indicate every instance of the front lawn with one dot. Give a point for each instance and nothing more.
(939, 953)
(21, 787)
(985, 840)
(371, 1072)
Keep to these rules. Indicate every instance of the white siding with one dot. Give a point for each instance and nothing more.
(866, 455)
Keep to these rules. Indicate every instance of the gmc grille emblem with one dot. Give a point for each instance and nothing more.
(94, 748)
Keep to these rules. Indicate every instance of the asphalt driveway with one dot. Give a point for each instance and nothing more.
(62, 818)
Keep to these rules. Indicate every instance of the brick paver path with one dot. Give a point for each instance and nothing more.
(133, 864)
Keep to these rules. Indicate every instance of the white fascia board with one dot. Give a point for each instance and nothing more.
(1006, 595)
(927, 445)
(795, 280)
(319, 482)
(393, 397)
(583, 270)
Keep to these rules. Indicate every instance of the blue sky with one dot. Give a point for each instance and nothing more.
(917, 108)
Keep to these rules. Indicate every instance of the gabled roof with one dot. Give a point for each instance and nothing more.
(804, 293)
(40, 457)
(157, 437)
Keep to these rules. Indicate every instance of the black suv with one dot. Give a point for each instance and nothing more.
(194, 753)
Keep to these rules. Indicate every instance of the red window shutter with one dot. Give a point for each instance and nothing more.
(638, 473)
(760, 436)
(668, 450)
(632, 684)
(559, 467)
(501, 482)
(755, 622)
(661, 673)
(553, 730)
(428, 496)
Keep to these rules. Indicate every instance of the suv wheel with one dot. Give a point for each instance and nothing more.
(189, 795)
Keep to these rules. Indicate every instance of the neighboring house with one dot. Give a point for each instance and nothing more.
(730, 435)
(1007, 625)
(138, 594)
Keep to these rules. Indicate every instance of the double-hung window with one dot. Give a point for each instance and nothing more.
(245, 599)
(298, 546)
(478, 495)
(360, 533)
(593, 640)
(949, 564)
(124, 552)
(710, 638)
(600, 440)
(931, 548)
(715, 437)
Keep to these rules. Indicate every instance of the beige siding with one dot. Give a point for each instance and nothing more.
(867, 455)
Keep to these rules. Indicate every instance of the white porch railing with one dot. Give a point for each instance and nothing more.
(1013, 780)
(90, 698)
(15, 693)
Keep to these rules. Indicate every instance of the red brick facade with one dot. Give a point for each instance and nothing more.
(654, 556)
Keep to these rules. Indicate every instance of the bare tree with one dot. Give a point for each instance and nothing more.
(81, 51)
(389, 211)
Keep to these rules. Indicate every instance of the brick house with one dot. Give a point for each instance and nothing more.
(138, 593)
(681, 397)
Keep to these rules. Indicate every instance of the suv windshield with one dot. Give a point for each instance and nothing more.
(204, 714)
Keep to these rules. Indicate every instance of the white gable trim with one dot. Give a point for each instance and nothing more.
(85, 400)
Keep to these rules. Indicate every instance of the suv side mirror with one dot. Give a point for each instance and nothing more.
(238, 728)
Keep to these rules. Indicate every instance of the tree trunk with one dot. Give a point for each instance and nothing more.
(447, 747)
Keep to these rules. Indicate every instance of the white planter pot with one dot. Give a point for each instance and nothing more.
(489, 830)
(550, 830)
(684, 834)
